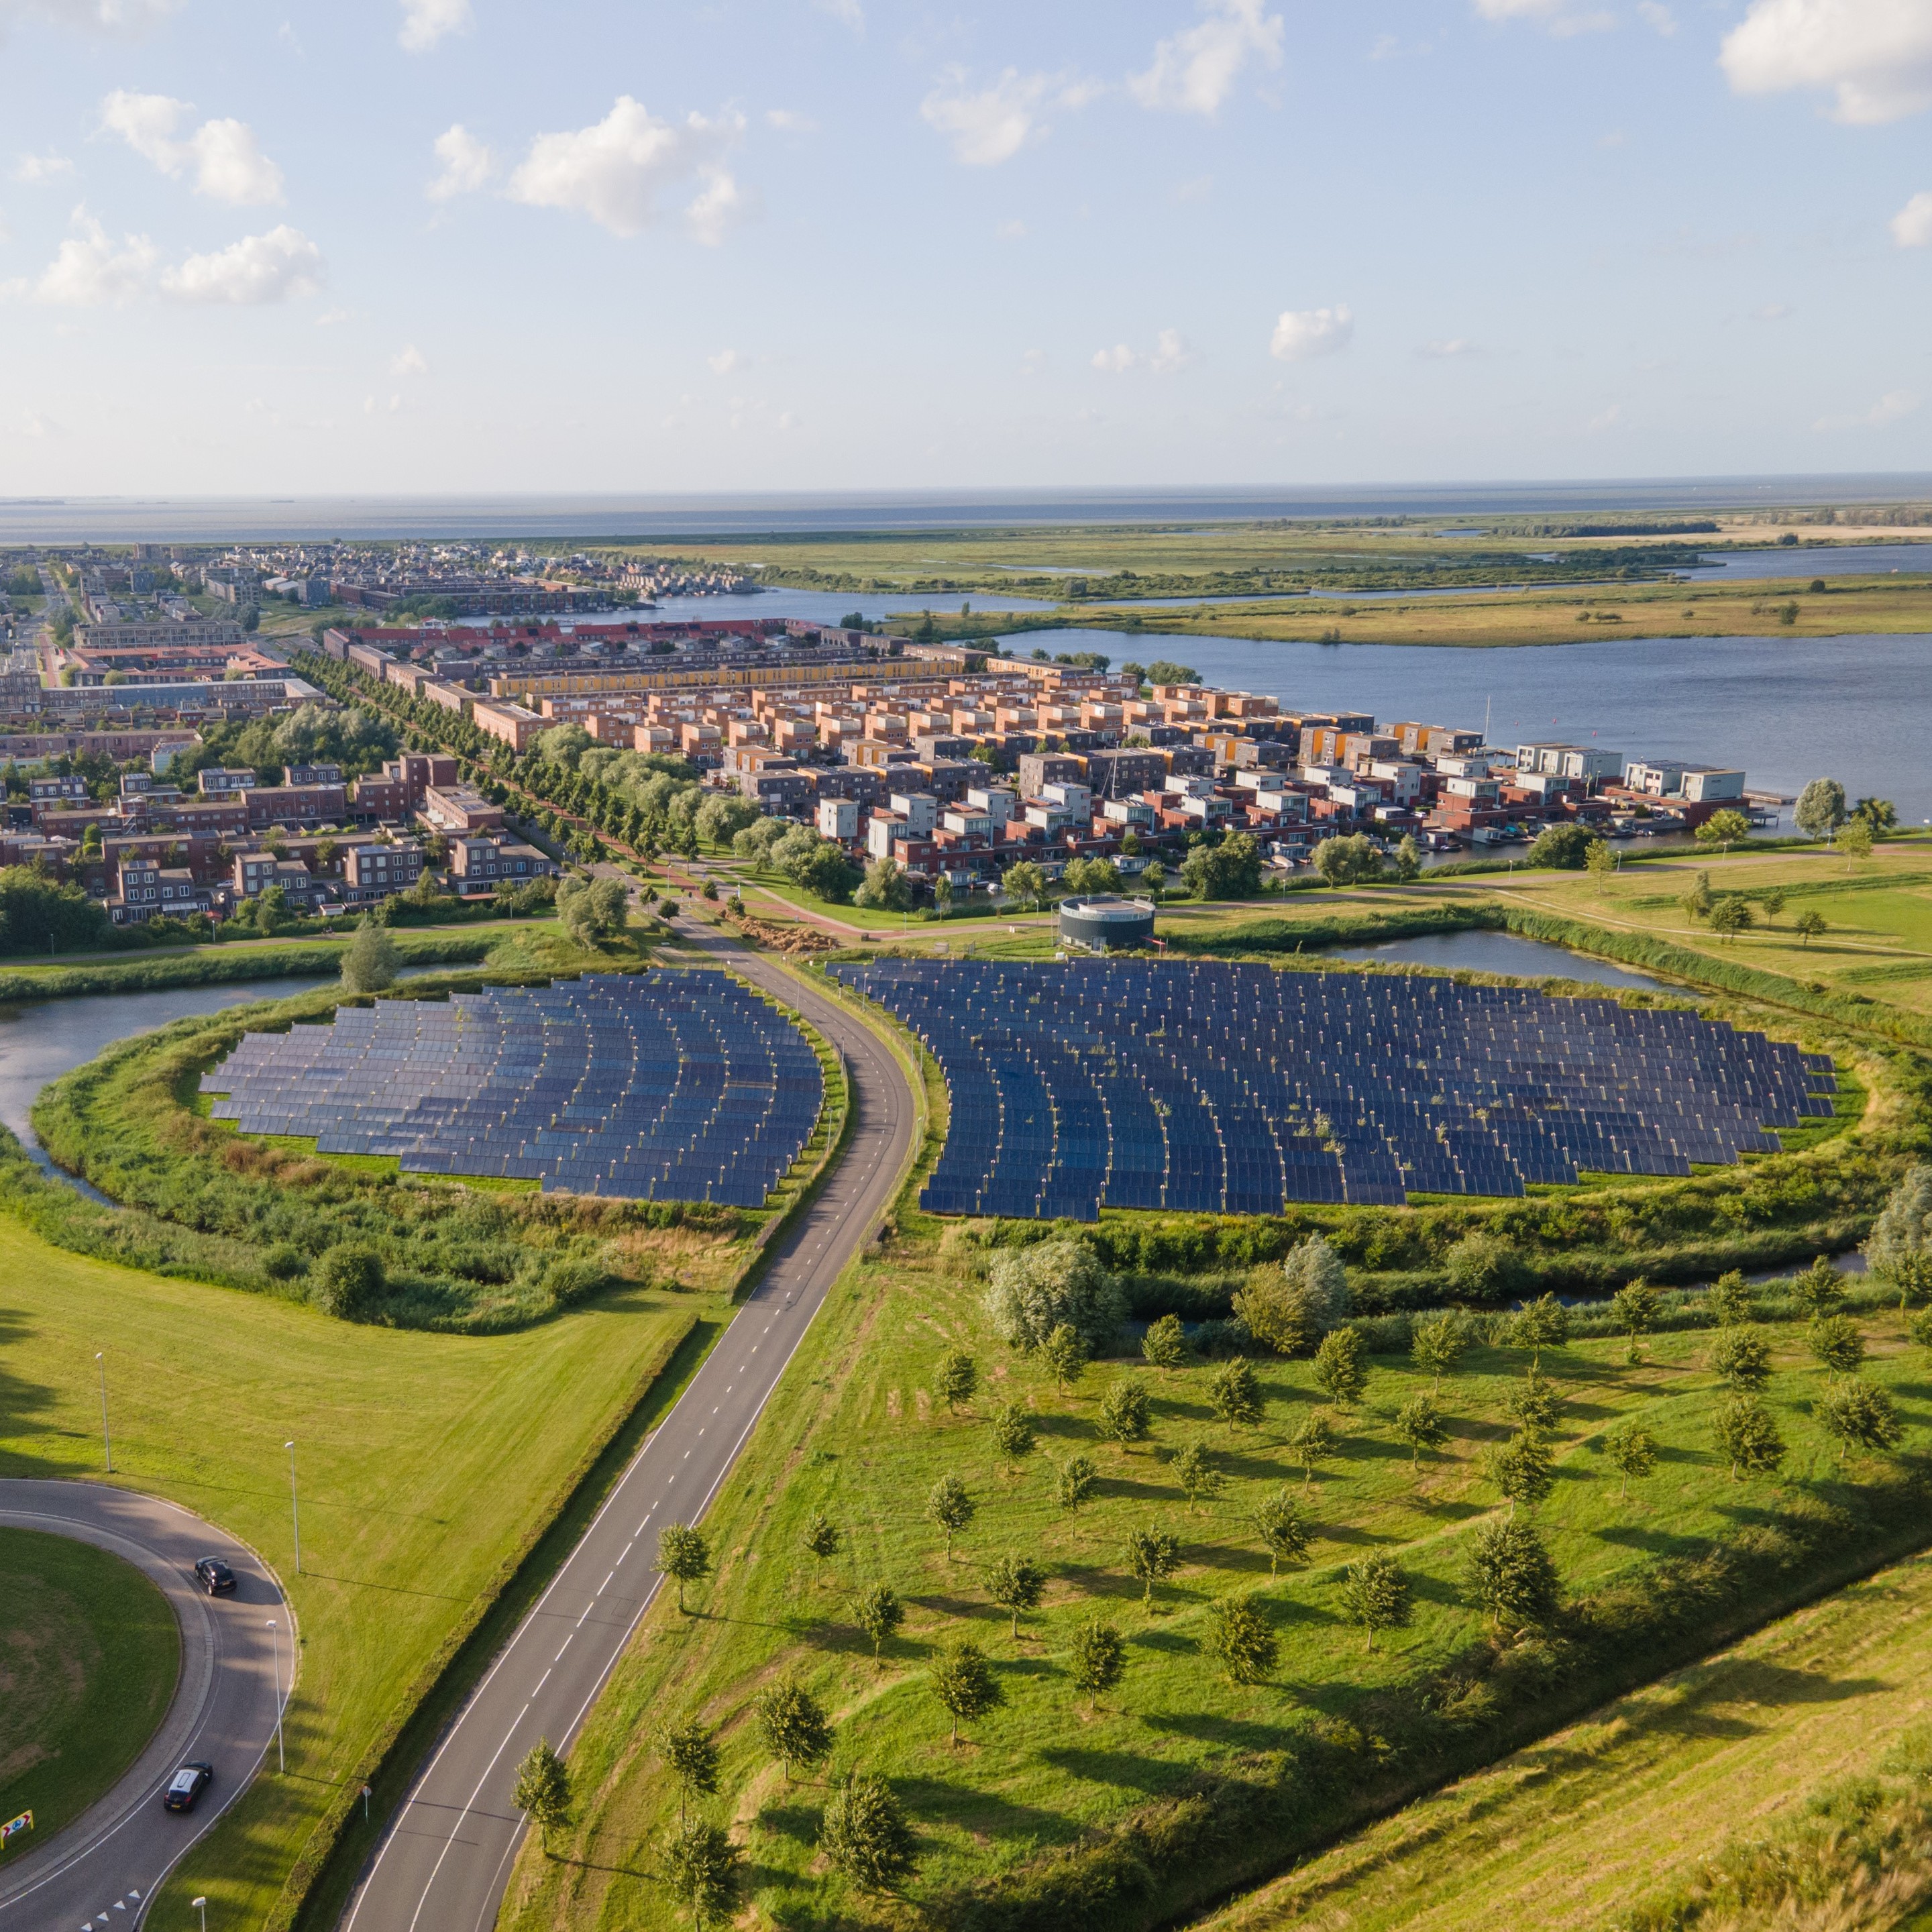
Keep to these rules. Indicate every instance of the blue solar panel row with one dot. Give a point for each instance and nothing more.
(1226, 1089)
(667, 1086)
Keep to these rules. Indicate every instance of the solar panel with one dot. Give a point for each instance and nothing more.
(1225, 1089)
(670, 1086)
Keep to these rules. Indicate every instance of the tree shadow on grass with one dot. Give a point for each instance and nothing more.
(1234, 1733)
(791, 1819)
(977, 1809)
(979, 1611)
(1118, 1770)
(1655, 1542)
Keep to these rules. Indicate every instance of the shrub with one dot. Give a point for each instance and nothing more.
(1035, 1289)
(347, 1281)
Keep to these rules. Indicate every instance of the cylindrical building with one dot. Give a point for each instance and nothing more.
(1104, 922)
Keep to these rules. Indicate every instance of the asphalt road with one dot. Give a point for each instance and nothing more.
(443, 1864)
(103, 1869)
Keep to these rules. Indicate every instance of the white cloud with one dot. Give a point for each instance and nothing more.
(1195, 71)
(849, 11)
(330, 317)
(1771, 312)
(1011, 231)
(105, 16)
(408, 361)
(1911, 226)
(993, 125)
(258, 269)
(1605, 419)
(1660, 19)
(1449, 349)
(1875, 55)
(786, 121)
(426, 22)
(724, 362)
(1300, 334)
(35, 169)
(717, 208)
(1116, 361)
(1033, 362)
(614, 170)
(229, 164)
(467, 164)
(1171, 351)
(1893, 407)
(89, 271)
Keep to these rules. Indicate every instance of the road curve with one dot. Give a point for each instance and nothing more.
(104, 1868)
(443, 1863)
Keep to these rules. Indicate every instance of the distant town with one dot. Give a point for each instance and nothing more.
(954, 762)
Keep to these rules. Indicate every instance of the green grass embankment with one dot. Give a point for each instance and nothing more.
(430, 1466)
(89, 1654)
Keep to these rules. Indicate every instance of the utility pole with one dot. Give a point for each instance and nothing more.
(295, 1504)
(106, 1434)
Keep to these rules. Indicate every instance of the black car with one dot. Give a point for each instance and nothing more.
(186, 1786)
(214, 1576)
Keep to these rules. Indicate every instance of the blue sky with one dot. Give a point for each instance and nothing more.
(471, 245)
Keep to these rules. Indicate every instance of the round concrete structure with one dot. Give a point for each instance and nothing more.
(1104, 922)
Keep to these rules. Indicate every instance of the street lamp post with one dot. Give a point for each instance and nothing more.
(201, 1906)
(106, 1434)
(275, 1638)
(295, 1504)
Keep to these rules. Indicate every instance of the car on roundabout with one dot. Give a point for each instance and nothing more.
(186, 1785)
(214, 1576)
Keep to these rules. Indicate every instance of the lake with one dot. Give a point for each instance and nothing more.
(1857, 709)
(1495, 952)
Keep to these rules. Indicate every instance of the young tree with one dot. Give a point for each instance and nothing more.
(1599, 861)
(1291, 1310)
(1152, 1555)
(1732, 1301)
(1126, 1415)
(879, 1614)
(1313, 1440)
(1854, 840)
(1075, 1481)
(1632, 1451)
(1544, 1324)
(951, 1508)
(1774, 903)
(690, 1754)
(1633, 1309)
(1809, 924)
(1900, 1244)
(684, 1556)
(1731, 916)
(1723, 829)
(1197, 1476)
(1065, 1355)
(1836, 1344)
(1026, 883)
(1857, 1415)
(1523, 1468)
(1235, 1394)
(1341, 1367)
(1098, 1661)
(1534, 1404)
(1375, 1595)
(1285, 1531)
(958, 1380)
(1918, 1328)
(1013, 1434)
(1419, 1423)
(1439, 1344)
(1016, 1583)
(1820, 1289)
(963, 1681)
(1748, 1437)
(699, 1865)
(1741, 1359)
(1512, 1576)
(543, 1793)
(865, 1835)
(1242, 1639)
(1407, 859)
(794, 1725)
(1697, 902)
(1164, 1345)
(823, 1537)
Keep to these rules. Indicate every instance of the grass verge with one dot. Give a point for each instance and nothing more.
(89, 1654)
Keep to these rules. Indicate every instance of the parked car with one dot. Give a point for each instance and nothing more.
(186, 1786)
(214, 1576)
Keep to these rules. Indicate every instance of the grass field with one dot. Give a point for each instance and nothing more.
(1575, 1831)
(426, 1464)
(856, 1432)
(89, 1653)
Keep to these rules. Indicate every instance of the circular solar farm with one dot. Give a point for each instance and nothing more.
(1241, 1090)
(665, 1085)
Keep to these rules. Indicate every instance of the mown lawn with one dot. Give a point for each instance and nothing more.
(89, 1653)
(856, 1432)
(1577, 1830)
(424, 1461)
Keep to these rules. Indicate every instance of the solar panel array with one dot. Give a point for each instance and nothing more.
(665, 1086)
(1225, 1089)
